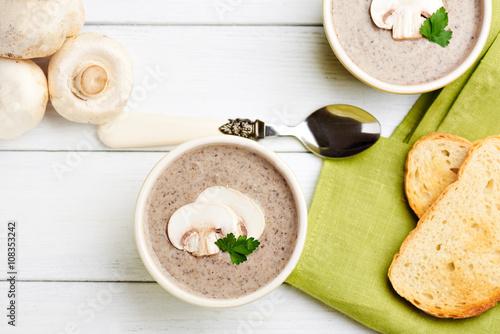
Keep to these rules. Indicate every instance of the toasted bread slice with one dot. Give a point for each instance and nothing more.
(449, 265)
(432, 165)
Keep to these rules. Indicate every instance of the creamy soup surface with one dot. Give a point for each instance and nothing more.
(409, 61)
(240, 169)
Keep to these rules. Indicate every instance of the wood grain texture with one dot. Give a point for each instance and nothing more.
(74, 198)
(103, 308)
(76, 209)
(204, 12)
(276, 74)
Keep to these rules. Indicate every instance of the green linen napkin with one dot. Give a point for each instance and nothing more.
(359, 215)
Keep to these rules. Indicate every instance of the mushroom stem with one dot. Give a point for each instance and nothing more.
(201, 241)
(91, 81)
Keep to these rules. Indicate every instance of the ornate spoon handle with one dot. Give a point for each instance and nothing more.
(142, 130)
(245, 128)
(132, 129)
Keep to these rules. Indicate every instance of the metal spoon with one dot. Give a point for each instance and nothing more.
(334, 131)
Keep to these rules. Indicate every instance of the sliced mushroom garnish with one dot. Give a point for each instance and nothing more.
(404, 17)
(251, 218)
(195, 227)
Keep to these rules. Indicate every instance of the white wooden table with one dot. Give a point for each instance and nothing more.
(73, 198)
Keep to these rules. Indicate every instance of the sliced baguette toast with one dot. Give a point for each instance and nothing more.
(432, 165)
(449, 265)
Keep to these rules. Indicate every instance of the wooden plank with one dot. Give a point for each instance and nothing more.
(74, 200)
(75, 211)
(265, 12)
(76, 307)
(271, 73)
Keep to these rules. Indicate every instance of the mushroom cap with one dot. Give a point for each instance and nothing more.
(23, 96)
(33, 28)
(90, 78)
(249, 212)
(194, 227)
(404, 17)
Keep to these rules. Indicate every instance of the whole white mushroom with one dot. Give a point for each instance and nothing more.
(90, 78)
(34, 28)
(23, 96)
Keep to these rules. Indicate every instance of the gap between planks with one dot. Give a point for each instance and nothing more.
(149, 24)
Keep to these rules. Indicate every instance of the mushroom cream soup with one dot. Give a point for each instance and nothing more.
(405, 61)
(240, 169)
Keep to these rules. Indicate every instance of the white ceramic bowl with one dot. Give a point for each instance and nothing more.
(170, 284)
(404, 89)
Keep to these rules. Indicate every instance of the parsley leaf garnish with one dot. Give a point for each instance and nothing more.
(239, 248)
(433, 28)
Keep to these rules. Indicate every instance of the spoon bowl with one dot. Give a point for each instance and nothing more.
(339, 131)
